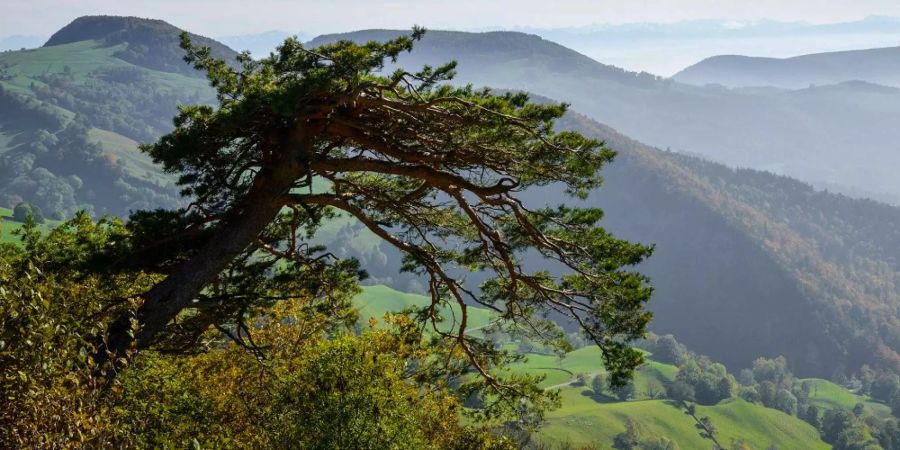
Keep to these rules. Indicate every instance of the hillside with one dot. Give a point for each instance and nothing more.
(808, 134)
(148, 43)
(73, 111)
(753, 263)
(585, 419)
(747, 264)
(8, 227)
(877, 65)
(585, 422)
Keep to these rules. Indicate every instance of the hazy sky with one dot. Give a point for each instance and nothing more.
(228, 17)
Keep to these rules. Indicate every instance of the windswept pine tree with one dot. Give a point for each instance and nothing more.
(439, 172)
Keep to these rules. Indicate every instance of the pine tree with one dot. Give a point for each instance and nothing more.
(439, 172)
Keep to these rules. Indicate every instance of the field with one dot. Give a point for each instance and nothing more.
(376, 301)
(828, 395)
(8, 226)
(587, 419)
(582, 421)
(82, 58)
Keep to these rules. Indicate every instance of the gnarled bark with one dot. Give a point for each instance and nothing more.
(162, 303)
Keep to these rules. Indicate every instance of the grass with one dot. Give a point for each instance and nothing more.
(25, 67)
(137, 164)
(589, 361)
(8, 226)
(827, 395)
(549, 366)
(375, 301)
(584, 421)
(81, 58)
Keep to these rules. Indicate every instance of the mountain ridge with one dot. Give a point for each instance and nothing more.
(874, 65)
(150, 43)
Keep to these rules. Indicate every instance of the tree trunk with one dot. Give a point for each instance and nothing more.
(168, 298)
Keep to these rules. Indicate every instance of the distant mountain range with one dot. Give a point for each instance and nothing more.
(878, 65)
(665, 48)
(836, 135)
(747, 263)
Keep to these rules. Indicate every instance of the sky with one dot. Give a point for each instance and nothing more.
(228, 17)
(235, 17)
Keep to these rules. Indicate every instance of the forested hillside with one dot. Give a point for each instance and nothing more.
(805, 134)
(753, 264)
(74, 111)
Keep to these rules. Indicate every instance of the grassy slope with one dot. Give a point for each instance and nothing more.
(582, 420)
(8, 226)
(827, 395)
(83, 58)
(375, 301)
(126, 149)
(588, 360)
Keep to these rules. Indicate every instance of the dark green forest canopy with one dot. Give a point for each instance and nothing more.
(433, 170)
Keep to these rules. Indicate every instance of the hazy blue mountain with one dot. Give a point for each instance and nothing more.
(879, 65)
(715, 28)
(666, 48)
(840, 135)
